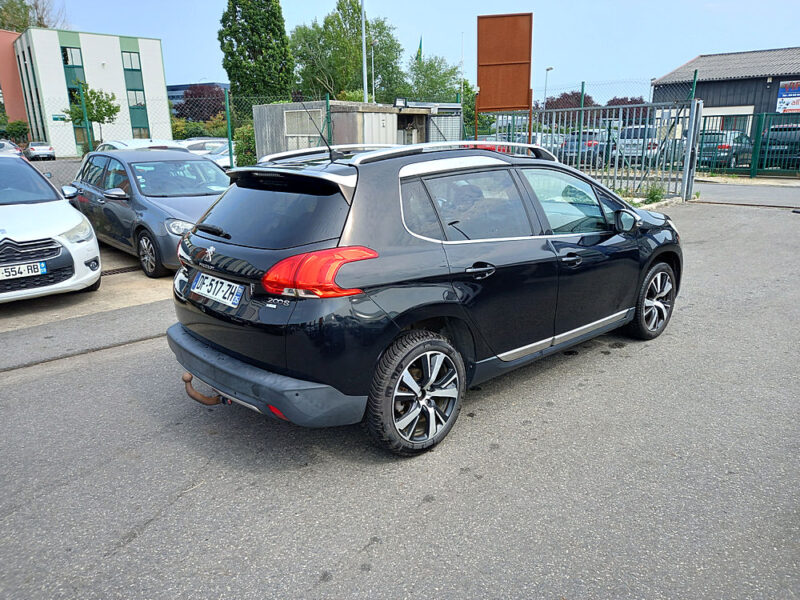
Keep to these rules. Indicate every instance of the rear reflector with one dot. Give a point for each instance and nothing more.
(313, 274)
(276, 411)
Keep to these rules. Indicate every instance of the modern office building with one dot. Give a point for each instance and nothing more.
(52, 63)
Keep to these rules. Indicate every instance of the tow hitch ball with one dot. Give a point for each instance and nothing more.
(195, 395)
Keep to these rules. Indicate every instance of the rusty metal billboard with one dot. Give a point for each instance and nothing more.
(504, 62)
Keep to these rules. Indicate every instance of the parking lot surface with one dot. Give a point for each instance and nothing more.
(617, 469)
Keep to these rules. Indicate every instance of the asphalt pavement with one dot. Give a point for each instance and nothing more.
(617, 469)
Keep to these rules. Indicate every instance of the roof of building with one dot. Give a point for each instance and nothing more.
(737, 65)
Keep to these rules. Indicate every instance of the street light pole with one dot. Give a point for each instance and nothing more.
(364, 50)
(546, 71)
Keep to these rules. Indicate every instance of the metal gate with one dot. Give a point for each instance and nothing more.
(643, 150)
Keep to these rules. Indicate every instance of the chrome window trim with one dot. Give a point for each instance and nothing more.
(535, 347)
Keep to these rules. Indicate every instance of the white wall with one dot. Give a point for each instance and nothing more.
(102, 66)
(52, 89)
(155, 89)
(719, 111)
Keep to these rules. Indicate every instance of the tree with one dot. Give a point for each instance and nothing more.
(468, 110)
(329, 55)
(15, 15)
(101, 108)
(245, 151)
(17, 131)
(432, 80)
(18, 15)
(201, 102)
(630, 115)
(570, 100)
(255, 49)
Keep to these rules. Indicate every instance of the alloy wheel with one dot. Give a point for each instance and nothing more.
(658, 301)
(425, 396)
(147, 254)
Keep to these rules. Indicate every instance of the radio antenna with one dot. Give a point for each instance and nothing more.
(333, 153)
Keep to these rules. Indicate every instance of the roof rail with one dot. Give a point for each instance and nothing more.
(411, 149)
(320, 150)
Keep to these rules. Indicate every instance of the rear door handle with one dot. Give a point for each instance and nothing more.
(481, 270)
(571, 259)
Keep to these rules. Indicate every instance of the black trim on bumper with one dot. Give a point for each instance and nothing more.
(303, 402)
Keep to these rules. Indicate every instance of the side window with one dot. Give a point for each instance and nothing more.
(116, 177)
(474, 206)
(569, 203)
(418, 213)
(94, 170)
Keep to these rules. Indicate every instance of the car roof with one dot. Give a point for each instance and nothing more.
(148, 155)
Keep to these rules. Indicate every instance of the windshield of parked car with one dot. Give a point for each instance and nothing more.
(38, 144)
(784, 133)
(21, 183)
(172, 178)
(223, 149)
(637, 133)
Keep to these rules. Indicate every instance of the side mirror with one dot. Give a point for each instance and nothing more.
(115, 194)
(69, 192)
(626, 221)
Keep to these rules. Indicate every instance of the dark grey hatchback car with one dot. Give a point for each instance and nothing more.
(143, 201)
(377, 286)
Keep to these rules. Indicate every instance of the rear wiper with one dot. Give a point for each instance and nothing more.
(213, 230)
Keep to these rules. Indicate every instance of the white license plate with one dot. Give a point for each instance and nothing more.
(218, 289)
(27, 270)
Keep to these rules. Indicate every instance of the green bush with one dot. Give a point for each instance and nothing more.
(194, 129)
(17, 131)
(654, 193)
(245, 138)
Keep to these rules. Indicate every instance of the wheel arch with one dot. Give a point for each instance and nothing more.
(671, 256)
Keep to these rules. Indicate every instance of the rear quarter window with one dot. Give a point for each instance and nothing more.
(418, 213)
(281, 213)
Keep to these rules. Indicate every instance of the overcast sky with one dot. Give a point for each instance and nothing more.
(590, 40)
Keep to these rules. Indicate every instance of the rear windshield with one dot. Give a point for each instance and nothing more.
(637, 133)
(586, 135)
(279, 214)
(174, 178)
(23, 184)
(712, 137)
(778, 133)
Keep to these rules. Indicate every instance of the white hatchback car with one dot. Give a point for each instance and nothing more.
(46, 246)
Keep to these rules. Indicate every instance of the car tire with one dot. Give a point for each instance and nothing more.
(654, 303)
(94, 287)
(416, 394)
(149, 256)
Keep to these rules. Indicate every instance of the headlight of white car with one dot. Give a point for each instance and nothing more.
(178, 227)
(82, 232)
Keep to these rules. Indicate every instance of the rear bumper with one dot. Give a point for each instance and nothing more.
(302, 402)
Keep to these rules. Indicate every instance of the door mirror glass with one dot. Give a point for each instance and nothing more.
(69, 191)
(625, 221)
(115, 194)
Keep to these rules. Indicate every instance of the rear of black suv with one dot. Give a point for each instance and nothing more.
(262, 318)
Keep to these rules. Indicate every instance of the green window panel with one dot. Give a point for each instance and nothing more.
(139, 116)
(133, 80)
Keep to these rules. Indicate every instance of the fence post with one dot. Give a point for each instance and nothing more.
(85, 117)
(580, 128)
(230, 137)
(690, 155)
(757, 146)
(694, 86)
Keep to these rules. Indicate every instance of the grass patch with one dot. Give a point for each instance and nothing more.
(654, 193)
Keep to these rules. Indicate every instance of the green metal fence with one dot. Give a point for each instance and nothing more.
(750, 145)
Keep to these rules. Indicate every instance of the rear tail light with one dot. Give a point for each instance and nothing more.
(724, 147)
(652, 146)
(313, 274)
(592, 143)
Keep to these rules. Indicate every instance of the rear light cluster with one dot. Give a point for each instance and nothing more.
(724, 147)
(313, 274)
(591, 143)
(652, 146)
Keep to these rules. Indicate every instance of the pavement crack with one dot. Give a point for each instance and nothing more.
(135, 532)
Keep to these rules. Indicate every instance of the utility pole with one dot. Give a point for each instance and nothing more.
(372, 47)
(364, 50)
(546, 71)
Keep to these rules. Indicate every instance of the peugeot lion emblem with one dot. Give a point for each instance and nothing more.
(209, 253)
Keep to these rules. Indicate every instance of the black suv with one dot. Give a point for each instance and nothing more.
(380, 285)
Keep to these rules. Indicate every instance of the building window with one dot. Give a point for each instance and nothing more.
(141, 133)
(136, 98)
(72, 57)
(130, 60)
